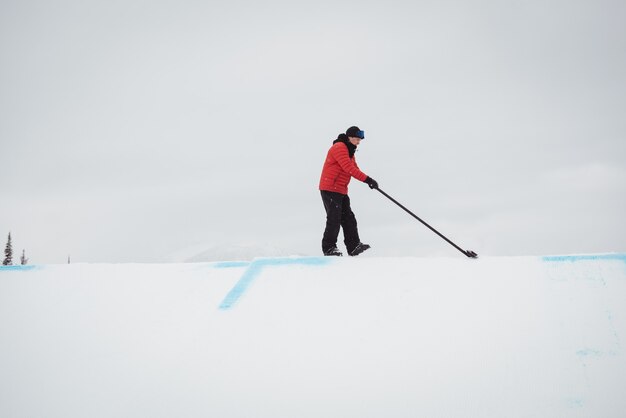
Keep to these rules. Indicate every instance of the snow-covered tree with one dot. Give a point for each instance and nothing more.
(8, 253)
(23, 259)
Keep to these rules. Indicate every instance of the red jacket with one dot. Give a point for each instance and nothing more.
(338, 169)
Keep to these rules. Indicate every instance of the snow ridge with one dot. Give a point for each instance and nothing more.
(316, 336)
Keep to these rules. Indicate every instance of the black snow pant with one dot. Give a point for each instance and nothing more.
(339, 214)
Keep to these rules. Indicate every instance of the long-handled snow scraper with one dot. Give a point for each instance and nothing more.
(469, 253)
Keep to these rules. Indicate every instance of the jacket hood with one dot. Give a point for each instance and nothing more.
(344, 138)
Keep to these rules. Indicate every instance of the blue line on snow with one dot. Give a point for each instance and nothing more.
(230, 264)
(256, 267)
(589, 352)
(18, 268)
(593, 257)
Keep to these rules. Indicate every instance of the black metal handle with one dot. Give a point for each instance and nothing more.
(468, 253)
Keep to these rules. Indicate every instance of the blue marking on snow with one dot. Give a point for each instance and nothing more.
(231, 264)
(575, 402)
(592, 257)
(241, 286)
(256, 267)
(588, 352)
(18, 268)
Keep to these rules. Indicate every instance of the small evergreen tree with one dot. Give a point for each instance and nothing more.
(8, 253)
(23, 259)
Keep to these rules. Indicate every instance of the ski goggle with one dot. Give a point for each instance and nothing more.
(361, 134)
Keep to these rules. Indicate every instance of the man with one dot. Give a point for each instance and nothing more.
(339, 168)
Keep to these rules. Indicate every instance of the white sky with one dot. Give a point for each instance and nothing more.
(135, 130)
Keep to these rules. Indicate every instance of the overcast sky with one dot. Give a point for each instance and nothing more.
(152, 130)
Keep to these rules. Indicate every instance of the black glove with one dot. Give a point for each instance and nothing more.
(372, 183)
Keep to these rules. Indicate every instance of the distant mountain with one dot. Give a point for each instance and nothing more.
(237, 252)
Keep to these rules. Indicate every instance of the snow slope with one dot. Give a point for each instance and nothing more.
(316, 337)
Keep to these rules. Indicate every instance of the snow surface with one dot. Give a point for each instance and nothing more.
(316, 337)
